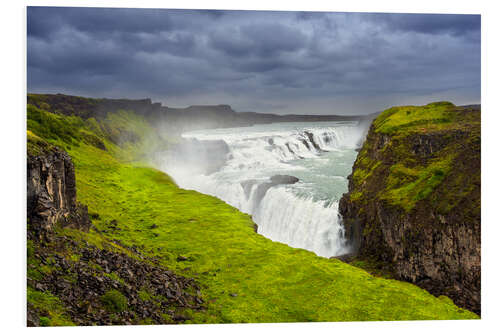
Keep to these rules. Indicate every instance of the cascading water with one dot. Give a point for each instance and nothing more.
(300, 206)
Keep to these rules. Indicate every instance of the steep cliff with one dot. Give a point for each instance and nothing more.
(413, 204)
(51, 189)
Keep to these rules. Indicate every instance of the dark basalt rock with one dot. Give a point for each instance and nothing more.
(434, 247)
(262, 188)
(347, 258)
(283, 179)
(51, 193)
(81, 284)
(305, 143)
(310, 136)
(247, 186)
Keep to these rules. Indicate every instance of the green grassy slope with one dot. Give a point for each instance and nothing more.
(244, 276)
(409, 178)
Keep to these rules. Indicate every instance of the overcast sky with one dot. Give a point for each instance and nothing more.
(279, 62)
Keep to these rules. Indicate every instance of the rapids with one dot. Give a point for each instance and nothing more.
(302, 214)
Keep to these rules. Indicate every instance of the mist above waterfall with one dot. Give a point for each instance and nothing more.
(288, 176)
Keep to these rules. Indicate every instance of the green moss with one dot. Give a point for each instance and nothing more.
(361, 174)
(45, 321)
(273, 282)
(36, 145)
(34, 265)
(144, 295)
(406, 186)
(48, 303)
(37, 99)
(445, 299)
(30, 248)
(405, 119)
(92, 139)
(44, 106)
(364, 169)
(114, 301)
(114, 276)
(51, 126)
(95, 127)
(355, 195)
(373, 267)
(407, 178)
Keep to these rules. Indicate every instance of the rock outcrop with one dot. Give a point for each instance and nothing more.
(51, 192)
(94, 286)
(83, 286)
(263, 187)
(414, 199)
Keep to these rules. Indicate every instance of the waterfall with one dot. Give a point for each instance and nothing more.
(302, 214)
(301, 222)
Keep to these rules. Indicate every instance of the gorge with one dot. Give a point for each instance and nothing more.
(288, 176)
(291, 176)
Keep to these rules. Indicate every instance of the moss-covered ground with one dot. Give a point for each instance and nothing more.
(413, 176)
(406, 119)
(244, 276)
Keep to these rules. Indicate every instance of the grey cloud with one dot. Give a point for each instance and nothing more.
(431, 23)
(263, 40)
(257, 61)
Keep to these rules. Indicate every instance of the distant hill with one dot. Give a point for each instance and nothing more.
(176, 119)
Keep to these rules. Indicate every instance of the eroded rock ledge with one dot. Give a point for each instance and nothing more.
(51, 192)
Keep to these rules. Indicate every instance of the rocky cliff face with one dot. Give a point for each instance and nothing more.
(51, 196)
(414, 199)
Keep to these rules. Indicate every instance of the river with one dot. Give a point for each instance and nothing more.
(300, 210)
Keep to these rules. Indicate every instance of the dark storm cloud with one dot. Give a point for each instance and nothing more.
(257, 61)
(264, 40)
(431, 23)
(43, 21)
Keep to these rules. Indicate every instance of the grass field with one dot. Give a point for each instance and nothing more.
(244, 276)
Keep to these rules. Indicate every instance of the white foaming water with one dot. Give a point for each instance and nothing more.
(303, 214)
(300, 222)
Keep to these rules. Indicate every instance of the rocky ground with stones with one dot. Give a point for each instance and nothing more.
(102, 287)
(83, 284)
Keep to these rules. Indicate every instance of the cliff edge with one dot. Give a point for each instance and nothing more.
(413, 204)
(51, 189)
(71, 281)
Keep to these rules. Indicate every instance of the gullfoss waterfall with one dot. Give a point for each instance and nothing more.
(288, 176)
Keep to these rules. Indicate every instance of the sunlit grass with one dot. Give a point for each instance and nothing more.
(244, 276)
